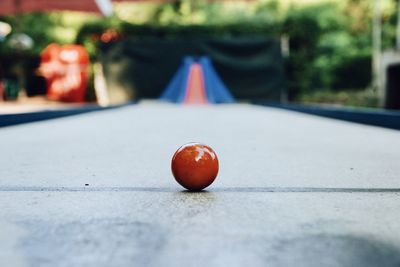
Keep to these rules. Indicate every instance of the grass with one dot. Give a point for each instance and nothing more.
(354, 98)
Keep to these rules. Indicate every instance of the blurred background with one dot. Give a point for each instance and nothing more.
(333, 52)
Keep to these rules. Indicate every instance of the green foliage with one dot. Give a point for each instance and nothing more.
(330, 41)
(226, 30)
(354, 98)
(31, 24)
(189, 12)
(304, 32)
(46, 28)
(330, 47)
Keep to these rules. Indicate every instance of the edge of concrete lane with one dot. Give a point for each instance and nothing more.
(367, 116)
(7, 120)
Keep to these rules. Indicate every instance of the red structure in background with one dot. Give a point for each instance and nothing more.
(195, 89)
(66, 71)
(8, 7)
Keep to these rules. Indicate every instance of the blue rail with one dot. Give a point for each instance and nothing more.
(370, 116)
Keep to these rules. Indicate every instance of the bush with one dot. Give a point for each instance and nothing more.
(353, 72)
(304, 32)
(330, 42)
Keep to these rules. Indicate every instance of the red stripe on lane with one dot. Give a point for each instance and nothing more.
(195, 89)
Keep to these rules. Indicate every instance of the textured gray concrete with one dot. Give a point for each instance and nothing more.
(293, 190)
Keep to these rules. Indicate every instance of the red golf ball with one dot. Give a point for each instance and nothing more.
(195, 166)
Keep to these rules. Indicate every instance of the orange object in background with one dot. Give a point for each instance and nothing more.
(66, 71)
(195, 91)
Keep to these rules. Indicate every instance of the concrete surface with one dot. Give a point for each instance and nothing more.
(293, 190)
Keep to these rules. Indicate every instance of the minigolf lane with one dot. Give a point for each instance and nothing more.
(293, 189)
